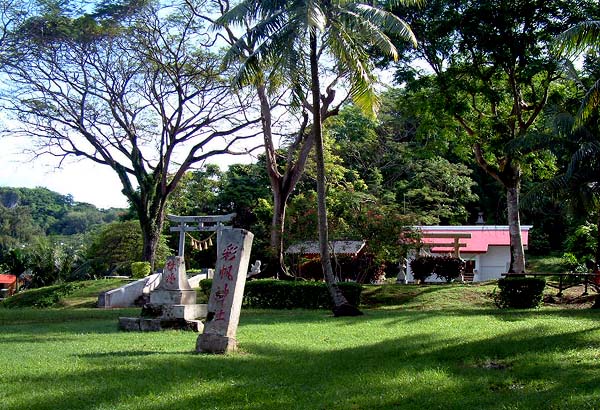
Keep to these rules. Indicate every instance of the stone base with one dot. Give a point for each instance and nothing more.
(186, 312)
(172, 312)
(129, 323)
(211, 343)
(173, 297)
(137, 324)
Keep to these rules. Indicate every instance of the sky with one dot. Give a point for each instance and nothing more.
(83, 179)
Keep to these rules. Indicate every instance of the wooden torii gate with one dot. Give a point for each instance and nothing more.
(447, 235)
(206, 223)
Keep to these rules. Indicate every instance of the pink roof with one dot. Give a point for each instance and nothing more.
(482, 237)
(10, 279)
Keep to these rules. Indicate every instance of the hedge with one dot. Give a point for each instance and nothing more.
(280, 294)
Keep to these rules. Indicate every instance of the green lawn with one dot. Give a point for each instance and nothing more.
(453, 356)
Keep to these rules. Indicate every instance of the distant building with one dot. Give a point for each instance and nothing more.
(8, 285)
(348, 261)
(311, 248)
(485, 248)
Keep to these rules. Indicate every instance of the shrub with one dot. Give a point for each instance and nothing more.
(279, 294)
(140, 270)
(582, 241)
(448, 267)
(520, 292)
(539, 242)
(205, 286)
(422, 267)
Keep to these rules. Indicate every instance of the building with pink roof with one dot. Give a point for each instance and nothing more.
(485, 248)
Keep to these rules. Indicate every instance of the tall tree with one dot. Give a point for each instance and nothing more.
(137, 90)
(580, 37)
(493, 63)
(12, 13)
(284, 165)
(304, 35)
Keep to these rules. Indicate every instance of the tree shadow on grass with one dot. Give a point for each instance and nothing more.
(396, 316)
(6, 341)
(519, 368)
(397, 295)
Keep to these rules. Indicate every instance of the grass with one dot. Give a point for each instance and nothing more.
(67, 295)
(546, 264)
(429, 297)
(434, 347)
(87, 295)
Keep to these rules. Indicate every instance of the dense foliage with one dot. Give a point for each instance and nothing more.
(449, 268)
(115, 246)
(422, 267)
(497, 114)
(41, 211)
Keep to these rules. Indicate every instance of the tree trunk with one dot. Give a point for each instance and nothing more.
(341, 307)
(510, 178)
(277, 229)
(275, 267)
(150, 238)
(597, 255)
(517, 255)
(151, 217)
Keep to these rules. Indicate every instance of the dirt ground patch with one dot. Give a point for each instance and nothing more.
(572, 298)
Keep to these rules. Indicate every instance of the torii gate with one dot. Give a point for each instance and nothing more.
(206, 223)
(456, 236)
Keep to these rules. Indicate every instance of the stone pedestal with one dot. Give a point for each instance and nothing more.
(227, 292)
(213, 343)
(172, 304)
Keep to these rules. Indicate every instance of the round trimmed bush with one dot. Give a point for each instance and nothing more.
(520, 292)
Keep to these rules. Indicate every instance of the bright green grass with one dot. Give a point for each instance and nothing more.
(388, 359)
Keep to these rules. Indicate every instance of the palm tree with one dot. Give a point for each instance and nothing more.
(295, 38)
(584, 167)
(574, 40)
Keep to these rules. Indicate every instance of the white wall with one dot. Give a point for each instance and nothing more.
(493, 263)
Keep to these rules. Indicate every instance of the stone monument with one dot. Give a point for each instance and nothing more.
(172, 304)
(227, 292)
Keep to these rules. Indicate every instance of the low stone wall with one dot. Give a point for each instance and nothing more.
(126, 295)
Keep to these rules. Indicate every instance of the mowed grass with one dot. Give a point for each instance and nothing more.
(441, 348)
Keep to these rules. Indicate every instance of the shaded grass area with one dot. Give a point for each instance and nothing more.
(87, 295)
(427, 297)
(69, 294)
(546, 264)
(388, 359)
